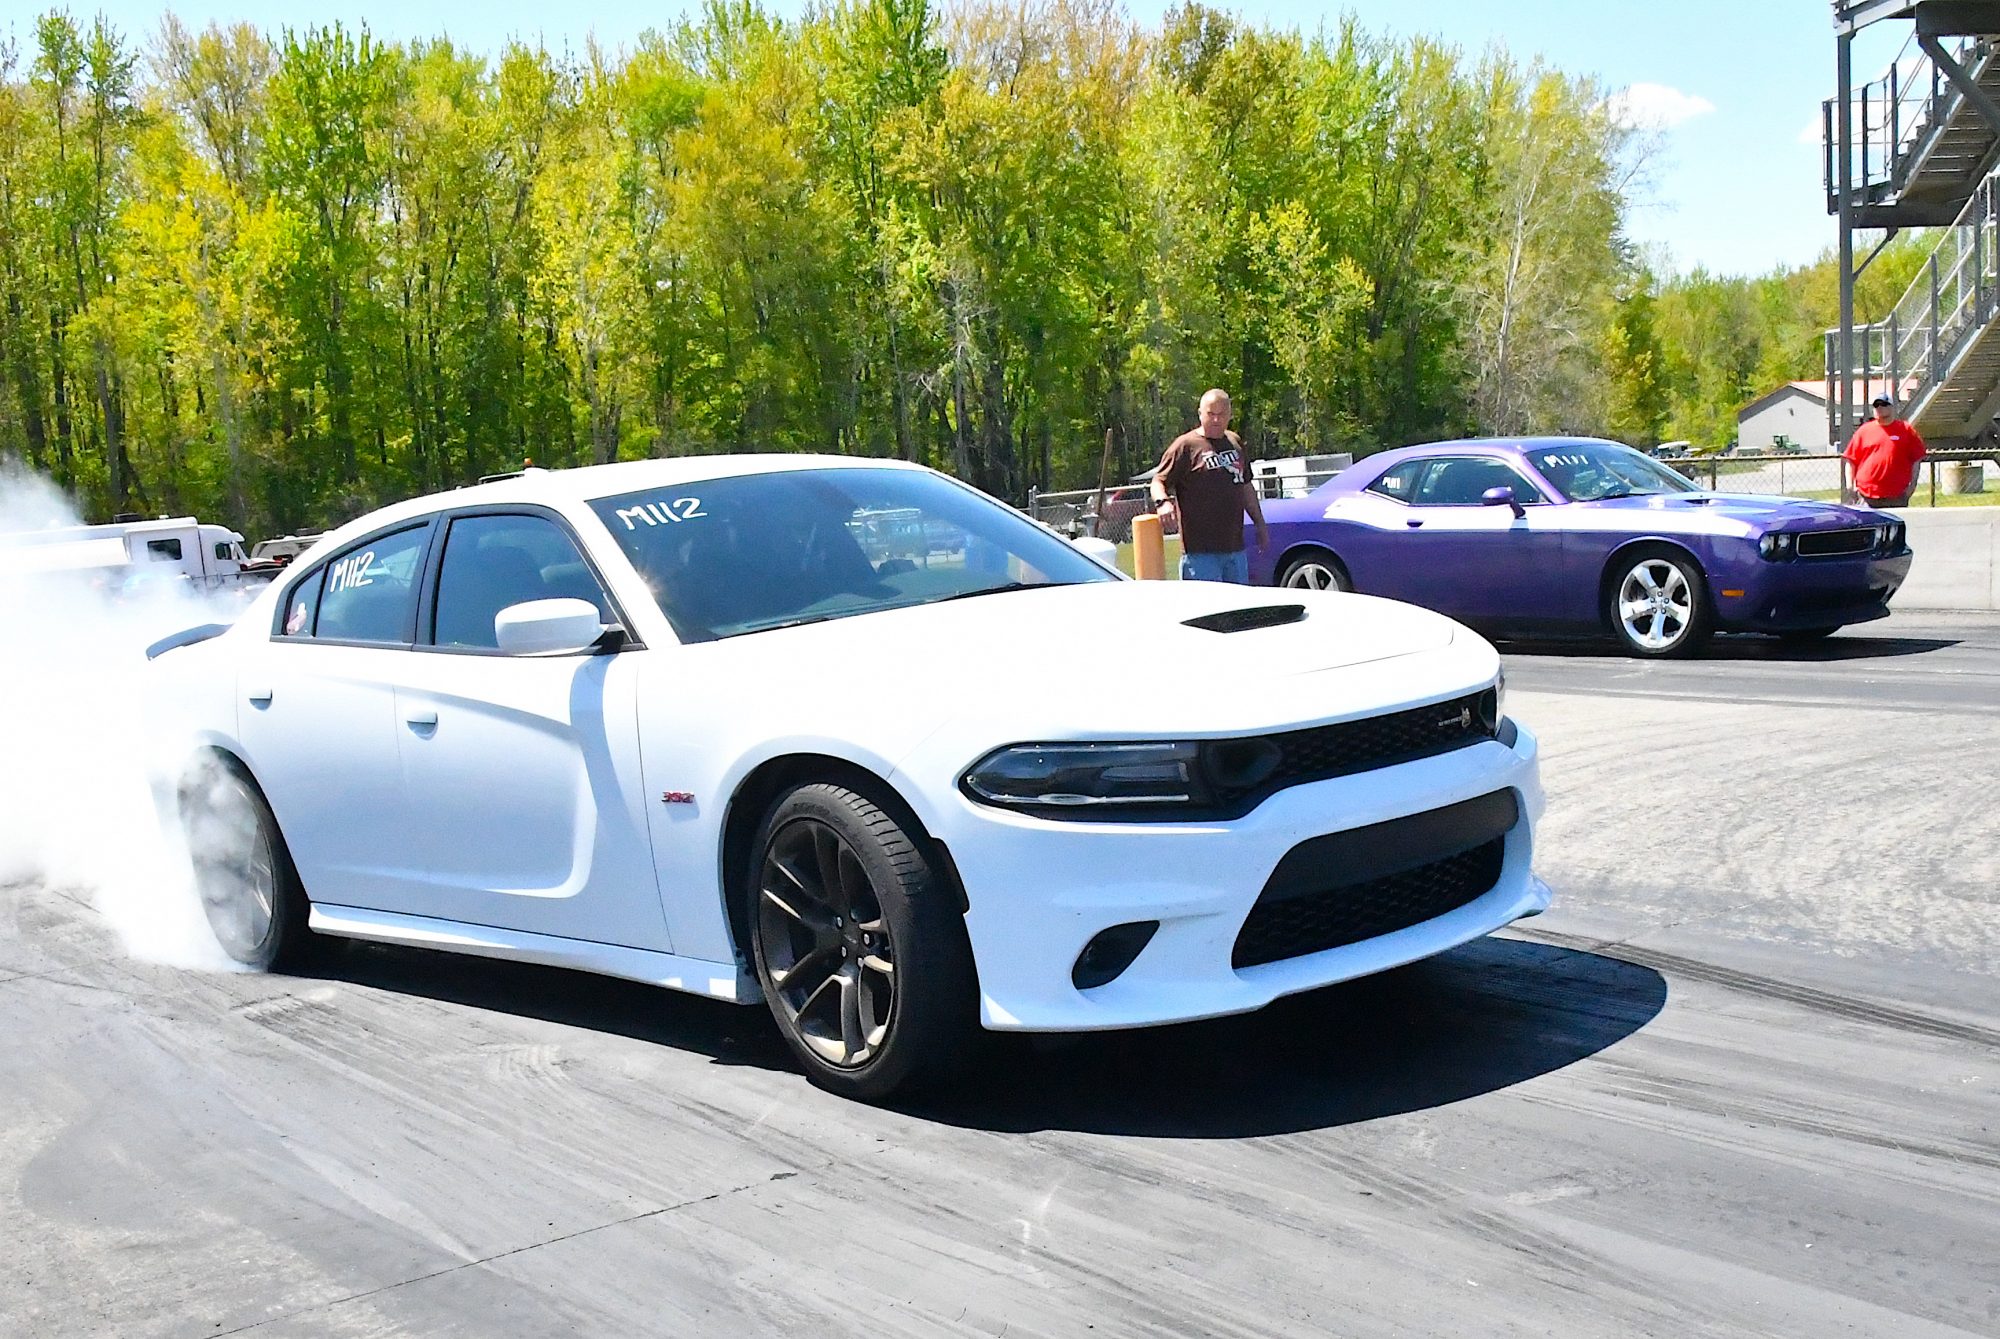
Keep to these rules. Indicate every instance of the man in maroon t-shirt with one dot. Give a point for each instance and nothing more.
(1883, 453)
(1204, 482)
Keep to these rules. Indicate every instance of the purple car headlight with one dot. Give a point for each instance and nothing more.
(1778, 545)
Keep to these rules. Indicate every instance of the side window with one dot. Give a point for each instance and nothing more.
(222, 552)
(163, 550)
(302, 604)
(491, 562)
(371, 590)
(1400, 482)
(1462, 481)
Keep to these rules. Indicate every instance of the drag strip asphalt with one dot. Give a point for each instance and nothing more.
(1926, 661)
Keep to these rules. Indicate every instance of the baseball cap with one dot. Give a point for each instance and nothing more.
(1882, 399)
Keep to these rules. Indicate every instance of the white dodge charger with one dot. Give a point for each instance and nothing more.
(851, 737)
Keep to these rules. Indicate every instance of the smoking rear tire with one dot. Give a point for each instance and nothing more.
(1657, 603)
(859, 947)
(243, 873)
(1315, 569)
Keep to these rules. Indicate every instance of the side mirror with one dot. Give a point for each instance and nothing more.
(544, 627)
(1503, 496)
(1103, 550)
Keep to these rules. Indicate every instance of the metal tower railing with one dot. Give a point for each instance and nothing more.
(1918, 349)
(1918, 148)
(1905, 122)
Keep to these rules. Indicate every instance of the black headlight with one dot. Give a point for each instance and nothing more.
(1144, 777)
(1085, 776)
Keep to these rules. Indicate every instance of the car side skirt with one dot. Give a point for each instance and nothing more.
(697, 976)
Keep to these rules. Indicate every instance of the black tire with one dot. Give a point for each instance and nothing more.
(1678, 617)
(840, 891)
(1804, 636)
(243, 871)
(1315, 569)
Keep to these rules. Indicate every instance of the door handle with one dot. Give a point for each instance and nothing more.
(260, 694)
(422, 720)
(1414, 523)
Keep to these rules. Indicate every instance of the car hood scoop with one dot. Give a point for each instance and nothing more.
(1243, 620)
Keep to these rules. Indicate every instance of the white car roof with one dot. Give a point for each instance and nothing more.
(590, 482)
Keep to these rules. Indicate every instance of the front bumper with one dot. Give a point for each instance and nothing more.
(1810, 593)
(1039, 890)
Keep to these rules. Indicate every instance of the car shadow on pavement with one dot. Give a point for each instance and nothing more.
(1749, 647)
(728, 1033)
(1483, 1017)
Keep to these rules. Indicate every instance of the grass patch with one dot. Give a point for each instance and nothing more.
(1920, 498)
(1173, 558)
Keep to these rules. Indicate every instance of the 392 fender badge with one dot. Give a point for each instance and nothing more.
(676, 797)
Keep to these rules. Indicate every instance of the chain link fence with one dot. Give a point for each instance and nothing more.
(1946, 478)
(1107, 513)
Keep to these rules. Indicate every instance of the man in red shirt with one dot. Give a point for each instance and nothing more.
(1883, 453)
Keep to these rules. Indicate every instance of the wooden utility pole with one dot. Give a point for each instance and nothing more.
(1103, 485)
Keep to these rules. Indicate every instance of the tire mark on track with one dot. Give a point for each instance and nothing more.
(496, 1256)
(1564, 1262)
(1855, 1010)
(1693, 1095)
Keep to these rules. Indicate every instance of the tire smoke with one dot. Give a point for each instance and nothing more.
(81, 732)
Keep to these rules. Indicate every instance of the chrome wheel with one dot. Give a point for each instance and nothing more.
(1656, 605)
(826, 945)
(1314, 574)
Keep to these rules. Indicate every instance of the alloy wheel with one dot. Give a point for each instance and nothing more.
(1313, 575)
(1656, 604)
(826, 944)
(237, 869)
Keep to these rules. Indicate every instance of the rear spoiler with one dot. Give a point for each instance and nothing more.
(185, 637)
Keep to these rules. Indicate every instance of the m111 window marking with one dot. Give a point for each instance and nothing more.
(355, 571)
(1564, 460)
(662, 513)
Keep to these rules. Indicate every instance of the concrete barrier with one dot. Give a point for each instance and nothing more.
(1957, 562)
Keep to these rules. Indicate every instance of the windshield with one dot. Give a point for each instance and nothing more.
(1591, 471)
(760, 551)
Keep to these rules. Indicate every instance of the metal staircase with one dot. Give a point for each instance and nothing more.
(1920, 147)
(1939, 347)
(1920, 141)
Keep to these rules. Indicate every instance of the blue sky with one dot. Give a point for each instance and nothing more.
(1733, 83)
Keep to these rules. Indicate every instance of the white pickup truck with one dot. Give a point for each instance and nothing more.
(127, 555)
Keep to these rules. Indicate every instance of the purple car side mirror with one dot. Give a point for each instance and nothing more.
(1503, 496)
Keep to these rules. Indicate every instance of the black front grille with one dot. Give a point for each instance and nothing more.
(1351, 886)
(1327, 751)
(1835, 543)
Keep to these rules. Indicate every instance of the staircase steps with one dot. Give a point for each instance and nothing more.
(1941, 168)
(1952, 408)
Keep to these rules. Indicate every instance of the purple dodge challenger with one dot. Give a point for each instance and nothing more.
(1571, 535)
